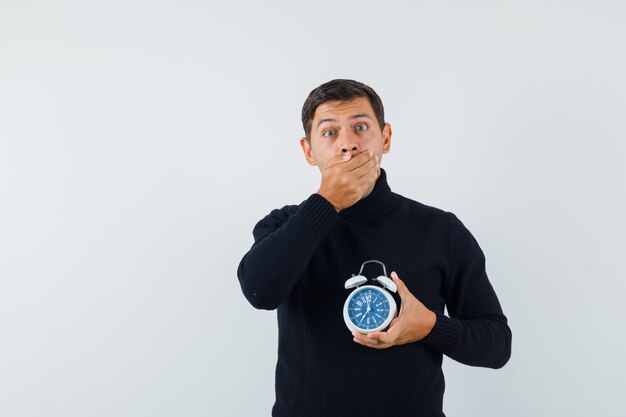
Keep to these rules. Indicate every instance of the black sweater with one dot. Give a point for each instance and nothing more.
(301, 257)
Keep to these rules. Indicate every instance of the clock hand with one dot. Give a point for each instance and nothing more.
(365, 314)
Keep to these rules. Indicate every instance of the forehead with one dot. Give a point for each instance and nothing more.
(336, 109)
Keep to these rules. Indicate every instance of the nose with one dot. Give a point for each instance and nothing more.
(348, 143)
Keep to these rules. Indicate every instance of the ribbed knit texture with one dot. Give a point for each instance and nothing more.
(298, 264)
(445, 333)
(319, 212)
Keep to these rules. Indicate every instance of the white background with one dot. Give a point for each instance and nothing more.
(142, 140)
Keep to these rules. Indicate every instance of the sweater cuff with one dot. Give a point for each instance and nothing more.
(319, 212)
(444, 334)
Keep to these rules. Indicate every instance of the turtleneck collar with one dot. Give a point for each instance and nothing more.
(377, 203)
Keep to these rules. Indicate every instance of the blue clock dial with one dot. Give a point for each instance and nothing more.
(368, 308)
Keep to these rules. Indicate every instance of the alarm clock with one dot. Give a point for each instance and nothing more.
(369, 308)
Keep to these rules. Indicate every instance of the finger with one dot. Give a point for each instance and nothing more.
(365, 175)
(368, 169)
(339, 159)
(381, 337)
(369, 342)
(370, 339)
(403, 291)
(359, 160)
(364, 339)
(365, 166)
(351, 161)
(368, 177)
(374, 336)
(364, 184)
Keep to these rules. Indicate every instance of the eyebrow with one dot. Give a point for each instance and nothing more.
(356, 116)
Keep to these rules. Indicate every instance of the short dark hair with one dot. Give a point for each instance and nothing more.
(342, 90)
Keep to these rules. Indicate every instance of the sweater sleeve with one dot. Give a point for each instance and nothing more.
(476, 333)
(284, 243)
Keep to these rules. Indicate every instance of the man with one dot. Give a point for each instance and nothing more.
(303, 254)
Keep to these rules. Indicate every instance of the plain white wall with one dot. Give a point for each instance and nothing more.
(141, 141)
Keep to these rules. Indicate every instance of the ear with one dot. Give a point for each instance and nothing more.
(308, 151)
(386, 138)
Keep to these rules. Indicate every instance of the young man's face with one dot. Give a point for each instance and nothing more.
(345, 127)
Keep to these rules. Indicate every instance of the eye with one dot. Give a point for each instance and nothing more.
(361, 128)
(328, 133)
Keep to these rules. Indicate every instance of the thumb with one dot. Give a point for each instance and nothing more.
(403, 291)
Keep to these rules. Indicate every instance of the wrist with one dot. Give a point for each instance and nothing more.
(429, 322)
(432, 321)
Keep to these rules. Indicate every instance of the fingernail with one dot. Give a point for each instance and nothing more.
(376, 158)
(377, 165)
(345, 156)
(371, 153)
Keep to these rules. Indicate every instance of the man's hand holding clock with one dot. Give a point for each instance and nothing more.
(413, 323)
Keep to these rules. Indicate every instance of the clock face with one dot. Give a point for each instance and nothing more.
(368, 309)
